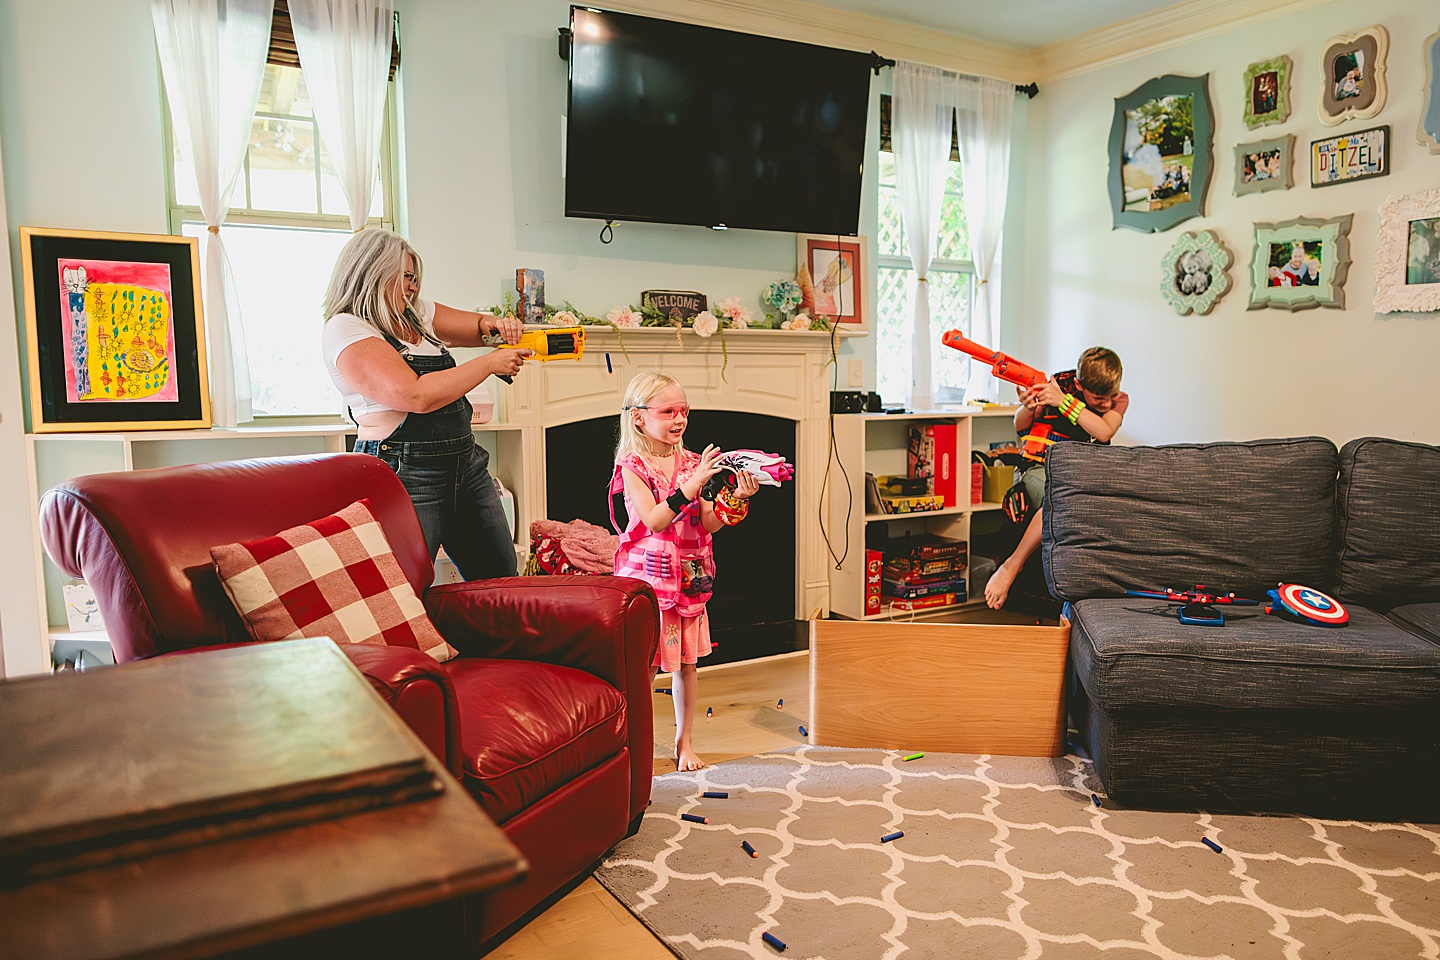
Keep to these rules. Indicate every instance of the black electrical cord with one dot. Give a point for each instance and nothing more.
(831, 453)
(607, 232)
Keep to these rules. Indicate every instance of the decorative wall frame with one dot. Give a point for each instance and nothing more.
(114, 331)
(836, 276)
(1352, 80)
(1195, 272)
(1348, 157)
(1264, 165)
(1301, 263)
(1160, 153)
(1428, 133)
(1267, 92)
(1407, 262)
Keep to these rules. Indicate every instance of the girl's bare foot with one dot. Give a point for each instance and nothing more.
(997, 588)
(687, 759)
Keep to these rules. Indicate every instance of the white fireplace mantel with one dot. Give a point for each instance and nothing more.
(771, 372)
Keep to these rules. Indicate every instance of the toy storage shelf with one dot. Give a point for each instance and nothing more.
(877, 444)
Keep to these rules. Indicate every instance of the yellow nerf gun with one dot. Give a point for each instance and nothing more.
(552, 343)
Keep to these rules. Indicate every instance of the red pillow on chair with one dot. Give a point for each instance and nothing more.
(335, 577)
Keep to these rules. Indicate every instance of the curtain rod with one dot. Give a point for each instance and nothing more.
(1029, 89)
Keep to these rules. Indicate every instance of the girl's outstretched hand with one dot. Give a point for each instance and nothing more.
(707, 468)
(746, 485)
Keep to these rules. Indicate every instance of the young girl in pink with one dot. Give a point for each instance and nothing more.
(667, 541)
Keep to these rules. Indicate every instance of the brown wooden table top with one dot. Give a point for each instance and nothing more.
(248, 890)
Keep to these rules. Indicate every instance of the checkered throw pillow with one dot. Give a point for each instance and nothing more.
(335, 577)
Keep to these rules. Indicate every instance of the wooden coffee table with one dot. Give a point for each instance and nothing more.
(295, 723)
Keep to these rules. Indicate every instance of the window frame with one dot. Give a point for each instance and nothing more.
(937, 264)
(177, 214)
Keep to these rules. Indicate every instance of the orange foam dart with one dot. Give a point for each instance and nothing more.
(1003, 365)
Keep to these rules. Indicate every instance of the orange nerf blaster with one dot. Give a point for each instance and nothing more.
(1002, 365)
(1013, 371)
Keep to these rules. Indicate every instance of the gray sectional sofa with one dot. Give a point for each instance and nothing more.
(1260, 714)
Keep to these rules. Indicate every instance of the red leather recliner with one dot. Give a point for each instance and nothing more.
(544, 716)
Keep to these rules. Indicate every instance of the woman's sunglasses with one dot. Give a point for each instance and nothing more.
(668, 412)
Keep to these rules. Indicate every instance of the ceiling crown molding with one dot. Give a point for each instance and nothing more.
(1160, 30)
(812, 23)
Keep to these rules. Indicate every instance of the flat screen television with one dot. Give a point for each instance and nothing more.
(675, 123)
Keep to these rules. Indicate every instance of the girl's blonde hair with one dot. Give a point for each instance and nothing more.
(370, 265)
(643, 388)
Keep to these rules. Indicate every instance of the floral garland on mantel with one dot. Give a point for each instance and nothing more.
(784, 295)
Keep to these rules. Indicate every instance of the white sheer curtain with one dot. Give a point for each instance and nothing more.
(983, 118)
(344, 48)
(212, 55)
(922, 103)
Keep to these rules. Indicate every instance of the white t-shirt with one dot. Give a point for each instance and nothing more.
(344, 329)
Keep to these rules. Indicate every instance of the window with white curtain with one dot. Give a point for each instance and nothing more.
(951, 283)
(286, 225)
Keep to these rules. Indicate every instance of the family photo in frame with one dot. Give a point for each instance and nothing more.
(1195, 272)
(1160, 153)
(1407, 261)
(1267, 92)
(1352, 84)
(114, 331)
(1264, 165)
(1301, 263)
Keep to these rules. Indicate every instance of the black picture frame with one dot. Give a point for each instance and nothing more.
(148, 285)
(1160, 213)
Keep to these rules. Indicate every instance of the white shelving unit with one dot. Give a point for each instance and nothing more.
(877, 444)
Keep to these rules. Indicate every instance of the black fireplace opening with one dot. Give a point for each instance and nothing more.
(752, 613)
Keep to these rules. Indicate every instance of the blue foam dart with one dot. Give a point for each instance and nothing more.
(1211, 844)
(773, 940)
(716, 795)
(892, 836)
(692, 818)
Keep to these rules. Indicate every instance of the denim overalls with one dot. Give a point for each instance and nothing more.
(444, 470)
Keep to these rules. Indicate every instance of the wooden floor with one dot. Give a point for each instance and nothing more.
(592, 924)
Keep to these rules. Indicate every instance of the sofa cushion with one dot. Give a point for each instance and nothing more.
(334, 577)
(1132, 654)
(528, 728)
(1421, 618)
(1389, 506)
(1235, 517)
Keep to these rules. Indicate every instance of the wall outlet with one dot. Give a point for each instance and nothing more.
(855, 373)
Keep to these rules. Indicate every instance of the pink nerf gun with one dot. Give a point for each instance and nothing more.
(769, 468)
(1002, 365)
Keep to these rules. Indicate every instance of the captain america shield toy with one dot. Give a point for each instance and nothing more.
(1310, 605)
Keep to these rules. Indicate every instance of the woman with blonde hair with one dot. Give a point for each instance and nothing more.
(385, 349)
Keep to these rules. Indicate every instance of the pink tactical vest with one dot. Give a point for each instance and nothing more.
(677, 561)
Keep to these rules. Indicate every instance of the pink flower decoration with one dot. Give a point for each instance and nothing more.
(623, 317)
(706, 324)
(733, 310)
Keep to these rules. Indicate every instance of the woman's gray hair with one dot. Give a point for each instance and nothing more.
(369, 267)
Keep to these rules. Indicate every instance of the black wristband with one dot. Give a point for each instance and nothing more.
(677, 502)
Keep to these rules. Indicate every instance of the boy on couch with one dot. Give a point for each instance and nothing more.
(1084, 404)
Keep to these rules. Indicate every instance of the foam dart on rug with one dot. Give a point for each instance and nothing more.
(555, 343)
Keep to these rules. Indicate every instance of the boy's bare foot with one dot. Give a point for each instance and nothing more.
(997, 588)
(687, 759)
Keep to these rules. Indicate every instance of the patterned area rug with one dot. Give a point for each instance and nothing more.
(1006, 857)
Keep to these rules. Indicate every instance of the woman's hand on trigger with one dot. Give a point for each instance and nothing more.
(507, 362)
(746, 485)
(508, 328)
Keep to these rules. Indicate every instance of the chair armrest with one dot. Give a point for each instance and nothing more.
(607, 626)
(419, 690)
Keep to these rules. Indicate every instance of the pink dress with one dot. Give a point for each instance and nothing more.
(676, 561)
